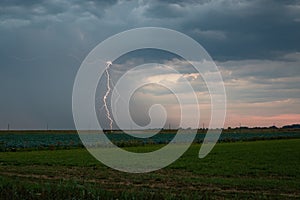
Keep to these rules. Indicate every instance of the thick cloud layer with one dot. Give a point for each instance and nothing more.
(42, 44)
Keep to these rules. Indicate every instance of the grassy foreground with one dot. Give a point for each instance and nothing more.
(261, 169)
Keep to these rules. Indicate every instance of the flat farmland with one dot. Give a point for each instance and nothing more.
(258, 170)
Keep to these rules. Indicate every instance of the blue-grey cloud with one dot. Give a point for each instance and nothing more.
(43, 43)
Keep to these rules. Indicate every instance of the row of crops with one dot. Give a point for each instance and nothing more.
(34, 140)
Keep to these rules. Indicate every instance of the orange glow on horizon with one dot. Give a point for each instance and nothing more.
(234, 120)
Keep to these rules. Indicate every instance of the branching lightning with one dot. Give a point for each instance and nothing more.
(108, 64)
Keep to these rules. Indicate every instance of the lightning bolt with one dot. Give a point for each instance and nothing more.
(108, 64)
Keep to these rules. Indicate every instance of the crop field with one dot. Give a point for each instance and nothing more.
(240, 170)
(60, 139)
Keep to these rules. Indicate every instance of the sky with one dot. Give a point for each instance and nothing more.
(255, 44)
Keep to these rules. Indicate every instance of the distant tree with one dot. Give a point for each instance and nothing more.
(291, 126)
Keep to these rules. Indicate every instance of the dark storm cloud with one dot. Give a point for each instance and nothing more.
(18, 9)
(170, 8)
(251, 29)
(263, 69)
(43, 43)
(231, 29)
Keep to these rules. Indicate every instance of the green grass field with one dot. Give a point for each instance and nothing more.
(255, 170)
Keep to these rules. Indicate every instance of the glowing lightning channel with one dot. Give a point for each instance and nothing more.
(108, 64)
